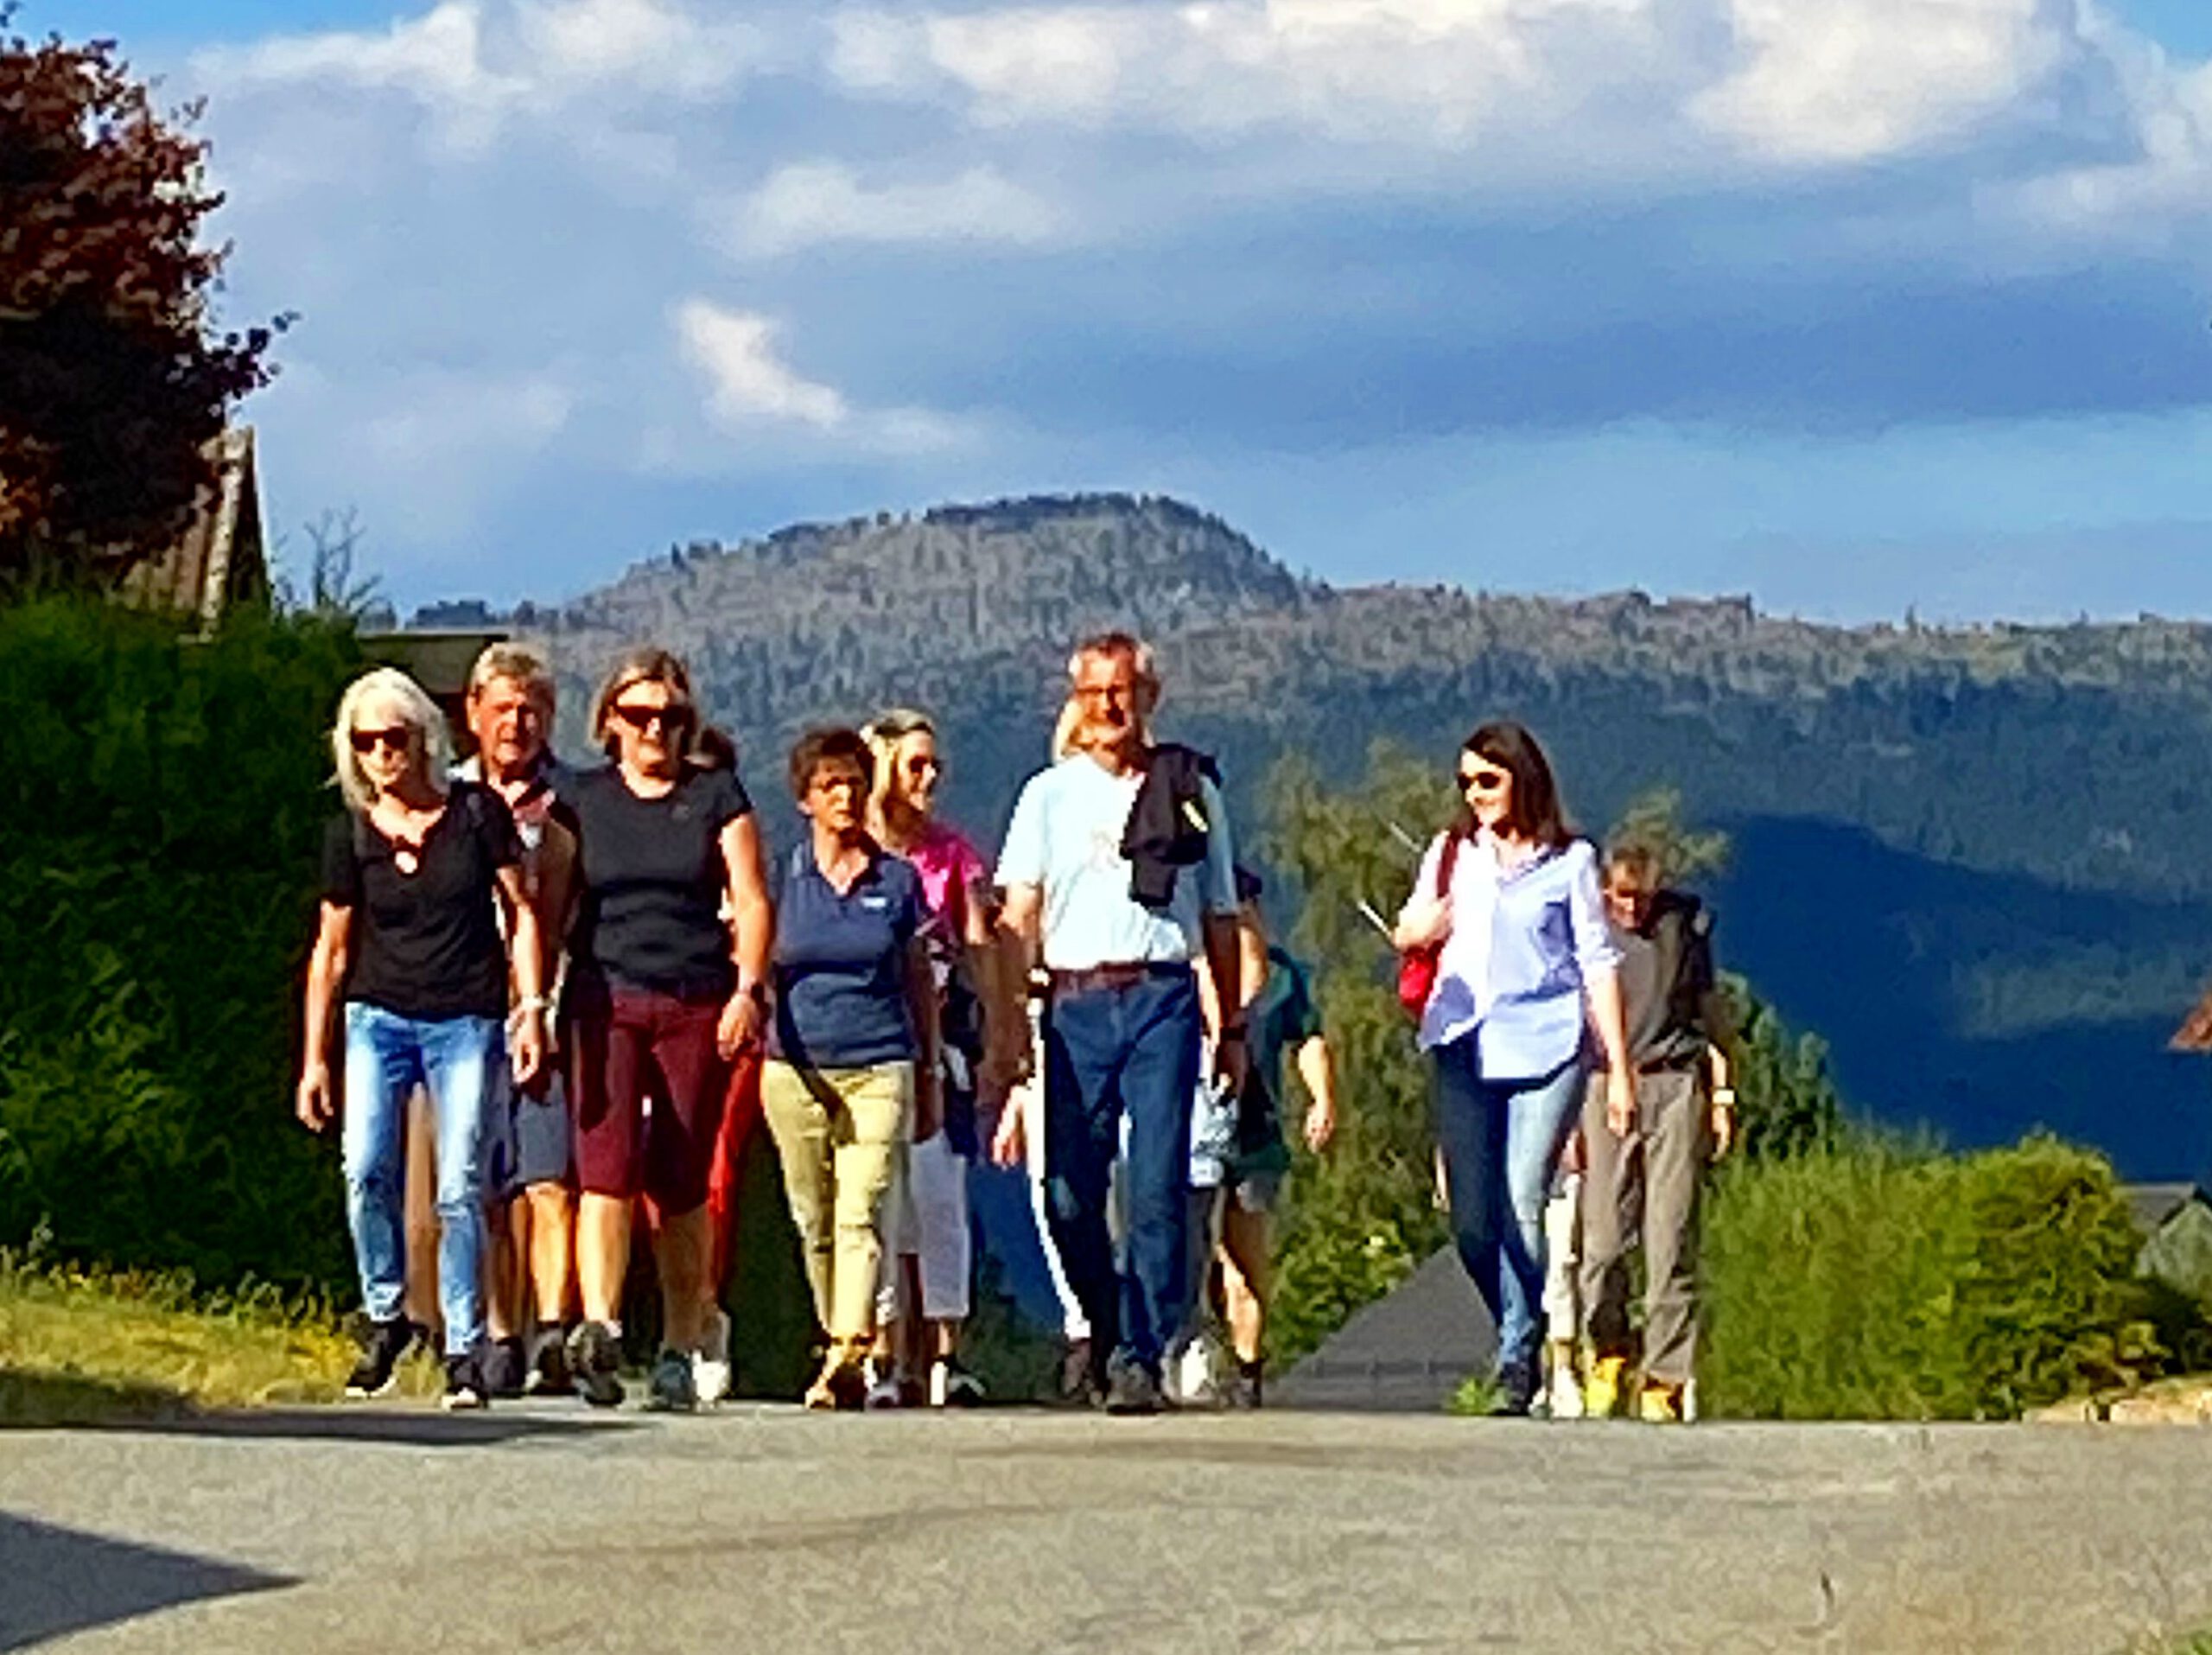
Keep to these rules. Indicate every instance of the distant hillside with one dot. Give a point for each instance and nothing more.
(2051, 759)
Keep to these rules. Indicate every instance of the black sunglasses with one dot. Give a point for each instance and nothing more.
(642, 718)
(396, 738)
(1485, 781)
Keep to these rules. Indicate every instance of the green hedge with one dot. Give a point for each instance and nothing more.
(1868, 1280)
(164, 800)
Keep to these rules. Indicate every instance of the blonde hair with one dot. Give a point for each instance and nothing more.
(883, 732)
(516, 665)
(1063, 730)
(417, 710)
(649, 665)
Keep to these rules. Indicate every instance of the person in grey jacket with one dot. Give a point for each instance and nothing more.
(1641, 1175)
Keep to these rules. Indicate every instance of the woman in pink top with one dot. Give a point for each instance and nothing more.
(930, 1263)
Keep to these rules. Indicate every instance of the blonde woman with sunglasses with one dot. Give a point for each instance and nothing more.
(409, 943)
(1510, 895)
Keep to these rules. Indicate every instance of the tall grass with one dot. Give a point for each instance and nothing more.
(1875, 1281)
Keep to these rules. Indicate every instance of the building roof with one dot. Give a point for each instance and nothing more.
(1407, 1353)
(220, 559)
(2155, 1205)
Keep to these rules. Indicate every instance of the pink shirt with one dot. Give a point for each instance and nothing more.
(949, 866)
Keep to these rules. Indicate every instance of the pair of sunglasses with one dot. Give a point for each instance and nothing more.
(643, 718)
(396, 739)
(1485, 781)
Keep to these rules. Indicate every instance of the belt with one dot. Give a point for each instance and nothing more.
(1117, 974)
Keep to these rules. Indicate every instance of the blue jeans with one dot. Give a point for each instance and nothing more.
(1502, 1141)
(387, 1056)
(1108, 1051)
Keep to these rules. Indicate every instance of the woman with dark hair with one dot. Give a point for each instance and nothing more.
(1508, 897)
(852, 1054)
(668, 982)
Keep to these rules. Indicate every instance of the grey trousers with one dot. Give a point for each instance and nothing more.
(1645, 1187)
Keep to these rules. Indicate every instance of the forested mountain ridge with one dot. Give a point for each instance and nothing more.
(2076, 753)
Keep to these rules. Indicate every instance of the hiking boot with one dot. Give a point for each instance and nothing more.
(594, 1359)
(501, 1365)
(466, 1390)
(548, 1368)
(711, 1377)
(952, 1386)
(1079, 1385)
(383, 1346)
(1660, 1403)
(1601, 1391)
(1133, 1388)
(671, 1389)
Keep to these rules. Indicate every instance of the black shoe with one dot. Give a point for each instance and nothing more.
(1245, 1389)
(594, 1358)
(1516, 1391)
(381, 1349)
(1133, 1389)
(1081, 1385)
(466, 1390)
(547, 1372)
(502, 1366)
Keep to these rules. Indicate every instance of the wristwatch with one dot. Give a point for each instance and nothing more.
(1724, 1096)
(756, 992)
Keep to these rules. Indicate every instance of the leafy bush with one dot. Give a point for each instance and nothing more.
(1870, 1281)
(164, 799)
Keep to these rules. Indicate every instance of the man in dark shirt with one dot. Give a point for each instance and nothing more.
(1643, 1174)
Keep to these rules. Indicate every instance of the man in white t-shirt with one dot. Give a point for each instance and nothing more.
(1117, 909)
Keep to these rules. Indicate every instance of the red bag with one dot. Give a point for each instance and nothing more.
(1417, 966)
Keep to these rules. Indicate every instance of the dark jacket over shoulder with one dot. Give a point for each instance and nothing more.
(1168, 826)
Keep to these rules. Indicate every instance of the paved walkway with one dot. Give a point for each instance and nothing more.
(766, 1530)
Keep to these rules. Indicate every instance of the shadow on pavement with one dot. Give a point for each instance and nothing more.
(407, 1427)
(55, 1582)
(49, 1399)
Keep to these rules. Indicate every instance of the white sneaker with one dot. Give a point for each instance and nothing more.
(1191, 1381)
(1562, 1387)
(711, 1375)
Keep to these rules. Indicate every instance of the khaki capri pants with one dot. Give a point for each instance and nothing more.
(839, 1135)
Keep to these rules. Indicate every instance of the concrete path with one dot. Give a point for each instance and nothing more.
(542, 1530)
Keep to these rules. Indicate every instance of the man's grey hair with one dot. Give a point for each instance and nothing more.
(517, 665)
(1117, 643)
(416, 710)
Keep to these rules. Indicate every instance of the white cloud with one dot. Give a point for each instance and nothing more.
(736, 350)
(475, 63)
(1786, 82)
(753, 391)
(1840, 81)
(811, 203)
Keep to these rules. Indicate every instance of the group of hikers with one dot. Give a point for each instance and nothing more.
(557, 1001)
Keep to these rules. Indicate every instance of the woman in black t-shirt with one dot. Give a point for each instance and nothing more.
(413, 873)
(667, 983)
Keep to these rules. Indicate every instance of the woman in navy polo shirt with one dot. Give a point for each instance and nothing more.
(852, 1050)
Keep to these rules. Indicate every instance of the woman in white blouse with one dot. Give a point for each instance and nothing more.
(1526, 969)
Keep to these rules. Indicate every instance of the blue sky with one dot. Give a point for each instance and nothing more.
(1854, 306)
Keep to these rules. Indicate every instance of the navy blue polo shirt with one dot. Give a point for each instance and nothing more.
(841, 964)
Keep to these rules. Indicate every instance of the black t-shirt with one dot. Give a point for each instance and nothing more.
(652, 880)
(427, 943)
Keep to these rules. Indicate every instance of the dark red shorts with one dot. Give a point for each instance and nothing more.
(626, 1047)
